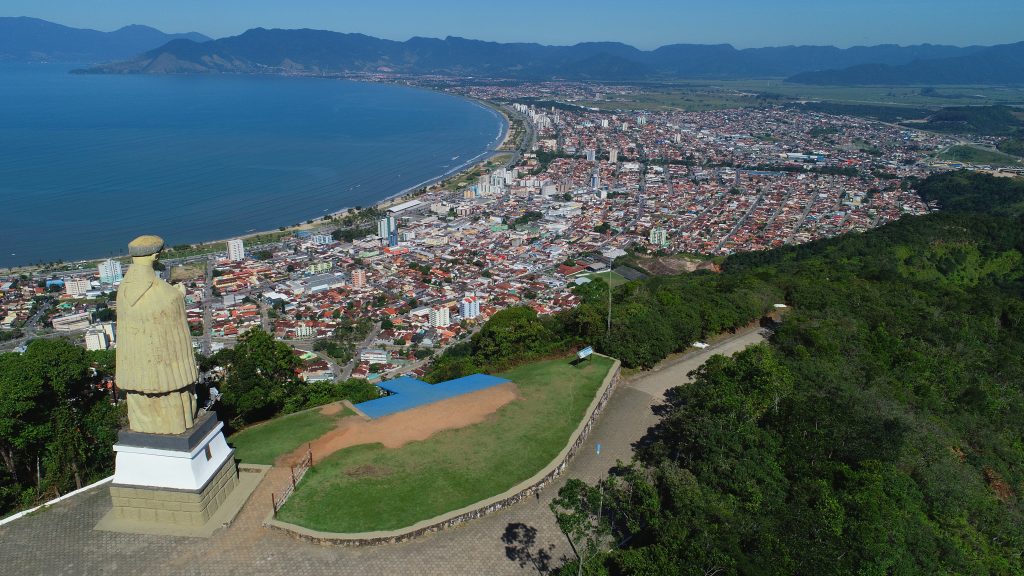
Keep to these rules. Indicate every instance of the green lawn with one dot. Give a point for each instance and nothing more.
(616, 278)
(263, 443)
(370, 487)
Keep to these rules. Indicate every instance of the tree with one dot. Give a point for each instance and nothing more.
(357, 390)
(56, 428)
(511, 334)
(578, 512)
(259, 379)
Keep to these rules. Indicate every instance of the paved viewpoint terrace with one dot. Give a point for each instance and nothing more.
(61, 539)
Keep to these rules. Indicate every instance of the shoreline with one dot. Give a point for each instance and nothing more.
(405, 194)
(408, 193)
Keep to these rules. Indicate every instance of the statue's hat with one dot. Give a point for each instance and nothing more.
(145, 245)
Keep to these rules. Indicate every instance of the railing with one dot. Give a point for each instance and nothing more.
(299, 470)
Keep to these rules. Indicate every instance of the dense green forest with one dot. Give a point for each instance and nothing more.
(878, 432)
(56, 425)
(974, 192)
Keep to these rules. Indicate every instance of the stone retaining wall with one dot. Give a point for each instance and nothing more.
(515, 494)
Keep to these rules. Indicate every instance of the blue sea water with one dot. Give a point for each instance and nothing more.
(88, 162)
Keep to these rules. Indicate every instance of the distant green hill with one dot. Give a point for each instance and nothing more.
(977, 120)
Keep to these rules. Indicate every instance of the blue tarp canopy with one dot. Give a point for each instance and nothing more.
(408, 393)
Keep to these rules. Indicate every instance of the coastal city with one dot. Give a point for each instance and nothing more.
(575, 194)
(436, 288)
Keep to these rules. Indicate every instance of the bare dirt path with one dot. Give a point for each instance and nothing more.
(413, 425)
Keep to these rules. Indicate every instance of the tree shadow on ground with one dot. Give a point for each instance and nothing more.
(521, 547)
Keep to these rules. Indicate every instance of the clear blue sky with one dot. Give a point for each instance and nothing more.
(643, 23)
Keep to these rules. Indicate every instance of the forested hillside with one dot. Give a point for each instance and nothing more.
(879, 432)
(57, 428)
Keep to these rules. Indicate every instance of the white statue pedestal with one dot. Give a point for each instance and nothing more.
(173, 478)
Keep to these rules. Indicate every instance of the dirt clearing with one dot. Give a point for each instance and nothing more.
(420, 423)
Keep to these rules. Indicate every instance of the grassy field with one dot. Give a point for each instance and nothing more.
(616, 278)
(263, 443)
(699, 95)
(973, 155)
(370, 487)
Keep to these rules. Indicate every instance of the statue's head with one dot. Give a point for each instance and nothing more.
(145, 248)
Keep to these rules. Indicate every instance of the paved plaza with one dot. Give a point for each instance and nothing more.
(61, 539)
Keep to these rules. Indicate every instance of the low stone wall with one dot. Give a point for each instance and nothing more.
(514, 495)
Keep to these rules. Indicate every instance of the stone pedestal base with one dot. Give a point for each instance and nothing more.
(175, 479)
(184, 507)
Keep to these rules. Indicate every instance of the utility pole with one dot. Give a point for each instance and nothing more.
(608, 330)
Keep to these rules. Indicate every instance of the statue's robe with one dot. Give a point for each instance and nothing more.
(155, 362)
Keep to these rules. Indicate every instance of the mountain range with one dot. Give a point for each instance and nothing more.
(142, 50)
(1003, 64)
(318, 51)
(32, 40)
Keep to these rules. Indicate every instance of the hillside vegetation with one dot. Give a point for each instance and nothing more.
(878, 432)
(979, 120)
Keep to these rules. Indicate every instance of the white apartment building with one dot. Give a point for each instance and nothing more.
(76, 286)
(100, 337)
(236, 250)
(110, 271)
(469, 307)
(440, 316)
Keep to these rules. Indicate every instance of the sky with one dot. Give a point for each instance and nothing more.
(645, 24)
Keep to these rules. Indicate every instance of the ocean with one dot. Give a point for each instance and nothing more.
(88, 162)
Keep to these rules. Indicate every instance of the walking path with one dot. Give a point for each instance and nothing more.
(522, 539)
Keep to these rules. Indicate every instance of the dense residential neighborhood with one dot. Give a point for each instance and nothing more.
(375, 293)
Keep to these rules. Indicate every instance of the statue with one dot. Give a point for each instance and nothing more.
(155, 362)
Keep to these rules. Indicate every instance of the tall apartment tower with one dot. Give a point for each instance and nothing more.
(387, 230)
(358, 278)
(659, 237)
(613, 155)
(236, 250)
(440, 316)
(469, 307)
(591, 154)
(110, 271)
